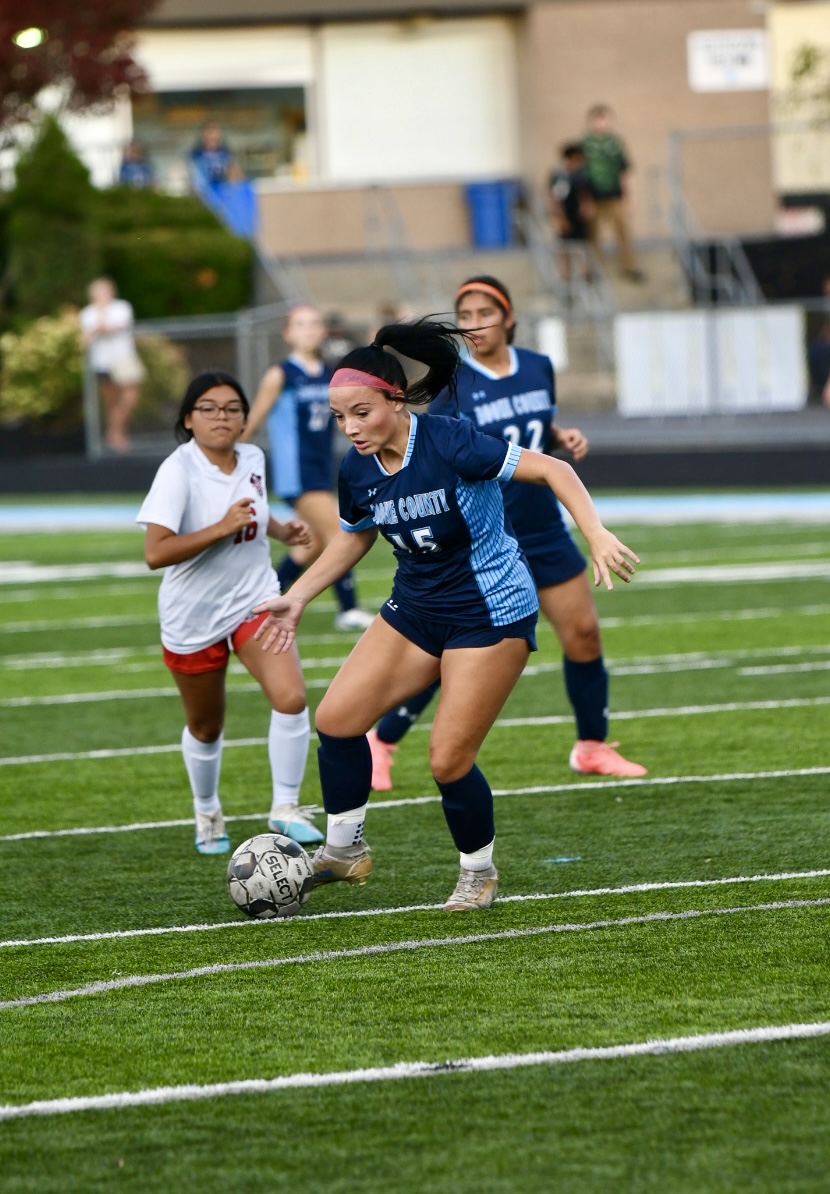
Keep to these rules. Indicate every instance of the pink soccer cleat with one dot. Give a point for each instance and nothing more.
(590, 757)
(382, 761)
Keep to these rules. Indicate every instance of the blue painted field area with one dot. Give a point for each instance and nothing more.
(645, 508)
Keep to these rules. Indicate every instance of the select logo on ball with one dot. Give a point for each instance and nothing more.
(269, 876)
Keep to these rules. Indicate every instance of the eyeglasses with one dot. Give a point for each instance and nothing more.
(211, 411)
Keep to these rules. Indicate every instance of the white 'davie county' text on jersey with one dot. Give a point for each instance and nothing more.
(203, 600)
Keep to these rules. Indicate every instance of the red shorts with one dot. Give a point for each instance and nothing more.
(214, 658)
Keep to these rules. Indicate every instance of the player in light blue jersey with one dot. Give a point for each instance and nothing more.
(293, 401)
(509, 393)
(463, 605)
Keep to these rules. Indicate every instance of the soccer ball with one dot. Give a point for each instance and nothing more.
(270, 876)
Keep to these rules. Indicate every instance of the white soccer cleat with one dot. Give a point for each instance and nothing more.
(211, 837)
(353, 619)
(295, 822)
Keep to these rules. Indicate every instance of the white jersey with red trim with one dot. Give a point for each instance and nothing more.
(204, 599)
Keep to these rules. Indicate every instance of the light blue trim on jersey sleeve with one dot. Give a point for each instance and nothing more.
(500, 572)
(365, 524)
(511, 460)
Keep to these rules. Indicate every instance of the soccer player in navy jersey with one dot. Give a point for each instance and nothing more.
(463, 605)
(293, 397)
(510, 393)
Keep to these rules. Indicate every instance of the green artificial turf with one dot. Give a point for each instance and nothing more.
(719, 685)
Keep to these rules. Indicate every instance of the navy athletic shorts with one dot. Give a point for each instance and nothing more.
(437, 637)
(553, 563)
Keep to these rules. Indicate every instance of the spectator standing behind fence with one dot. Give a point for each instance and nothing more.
(210, 157)
(571, 208)
(107, 336)
(135, 170)
(607, 169)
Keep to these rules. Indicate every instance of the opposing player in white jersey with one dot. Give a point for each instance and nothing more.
(207, 524)
(293, 401)
(510, 393)
(463, 604)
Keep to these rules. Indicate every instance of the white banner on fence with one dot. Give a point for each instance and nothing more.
(702, 362)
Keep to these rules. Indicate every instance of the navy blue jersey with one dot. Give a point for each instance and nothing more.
(444, 516)
(519, 408)
(300, 431)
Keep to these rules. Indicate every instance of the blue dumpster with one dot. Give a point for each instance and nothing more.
(491, 212)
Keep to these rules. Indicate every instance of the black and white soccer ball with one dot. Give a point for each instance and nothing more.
(270, 876)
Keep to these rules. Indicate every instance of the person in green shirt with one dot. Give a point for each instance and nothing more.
(607, 170)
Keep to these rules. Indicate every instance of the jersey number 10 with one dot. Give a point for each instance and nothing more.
(247, 533)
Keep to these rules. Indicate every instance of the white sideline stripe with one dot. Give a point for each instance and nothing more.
(269, 925)
(389, 947)
(608, 784)
(725, 574)
(780, 669)
(156, 1096)
(505, 723)
(21, 572)
(105, 656)
(647, 666)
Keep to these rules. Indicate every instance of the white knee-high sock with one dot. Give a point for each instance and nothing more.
(203, 761)
(288, 738)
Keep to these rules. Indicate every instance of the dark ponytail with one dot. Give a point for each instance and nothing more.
(426, 343)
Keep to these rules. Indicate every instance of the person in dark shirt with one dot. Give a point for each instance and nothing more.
(571, 209)
(135, 170)
(211, 156)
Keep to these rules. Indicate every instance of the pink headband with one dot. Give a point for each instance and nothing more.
(356, 377)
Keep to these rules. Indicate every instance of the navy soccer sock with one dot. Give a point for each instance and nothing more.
(287, 572)
(468, 809)
(394, 724)
(346, 592)
(345, 772)
(587, 687)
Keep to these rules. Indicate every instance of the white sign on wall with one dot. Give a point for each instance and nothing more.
(702, 362)
(728, 60)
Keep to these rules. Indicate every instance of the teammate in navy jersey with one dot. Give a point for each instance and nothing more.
(207, 524)
(509, 392)
(293, 398)
(463, 605)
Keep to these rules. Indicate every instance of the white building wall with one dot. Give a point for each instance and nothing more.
(418, 98)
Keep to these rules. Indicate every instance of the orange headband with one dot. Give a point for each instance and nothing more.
(485, 288)
(356, 377)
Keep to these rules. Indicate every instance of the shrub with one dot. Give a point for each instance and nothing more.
(166, 378)
(170, 256)
(42, 373)
(41, 380)
(52, 237)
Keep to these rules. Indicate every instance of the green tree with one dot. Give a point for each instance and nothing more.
(84, 49)
(53, 246)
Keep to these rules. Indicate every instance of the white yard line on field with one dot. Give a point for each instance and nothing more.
(507, 723)
(600, 785)
(390, 947)
(647, 666)
(160, 1095)
(535, 897)
(309, 638)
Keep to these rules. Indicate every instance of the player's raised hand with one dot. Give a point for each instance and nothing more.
(572, 440)
(609, 555)
(239, 515)
(279, 630)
